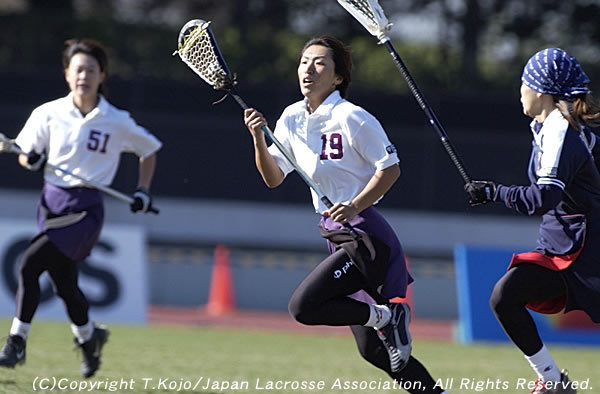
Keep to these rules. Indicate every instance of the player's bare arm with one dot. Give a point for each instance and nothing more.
(22, 160)
(254, 121)
(146, 171)
(379, 184)
(266, 165)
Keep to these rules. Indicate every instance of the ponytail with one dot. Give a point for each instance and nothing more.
(583, 110)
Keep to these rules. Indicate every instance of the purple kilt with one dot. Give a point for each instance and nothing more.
(374, 224)
(74, 240)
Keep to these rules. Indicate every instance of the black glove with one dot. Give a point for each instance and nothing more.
(142, 201)
(35, 161)
(480, 192)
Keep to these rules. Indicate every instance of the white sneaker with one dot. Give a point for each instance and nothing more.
(396, 337)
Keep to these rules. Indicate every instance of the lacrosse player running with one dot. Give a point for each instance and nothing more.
(84, 134)
(563, 272)
(346, 151)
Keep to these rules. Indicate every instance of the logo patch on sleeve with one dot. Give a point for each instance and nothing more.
(391, 149)
(550, 172)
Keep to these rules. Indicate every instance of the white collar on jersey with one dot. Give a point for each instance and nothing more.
(102, 104)
(326, 106)
(536, 127)
(554, 121)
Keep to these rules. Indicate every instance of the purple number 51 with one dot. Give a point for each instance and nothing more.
(98, 140)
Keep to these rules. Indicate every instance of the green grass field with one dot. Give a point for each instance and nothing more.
(166, 359)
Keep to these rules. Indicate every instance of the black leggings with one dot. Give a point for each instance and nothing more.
(42, 255)
(521, 285)
(321, 299)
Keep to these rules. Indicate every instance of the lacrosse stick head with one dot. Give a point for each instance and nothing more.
(370, 14)
(197, 47)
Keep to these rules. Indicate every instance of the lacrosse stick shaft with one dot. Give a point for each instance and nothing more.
(105, 189)
(428, 111)
(324, 199)
(111, 192)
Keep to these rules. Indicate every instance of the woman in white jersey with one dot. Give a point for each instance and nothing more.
(85, 134)
(347, 153)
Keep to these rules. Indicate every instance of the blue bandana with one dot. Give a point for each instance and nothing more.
(555, 72)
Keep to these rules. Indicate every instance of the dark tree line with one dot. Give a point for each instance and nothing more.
(482, 43)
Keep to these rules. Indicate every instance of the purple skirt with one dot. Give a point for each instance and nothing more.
(374, 224)
(75, 240)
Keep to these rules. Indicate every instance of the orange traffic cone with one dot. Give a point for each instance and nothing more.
(221, 299)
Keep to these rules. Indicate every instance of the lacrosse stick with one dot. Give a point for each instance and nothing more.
(8, 146)
(199, 50)
(370, 14)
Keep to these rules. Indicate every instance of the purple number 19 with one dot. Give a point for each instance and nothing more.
(335, 144)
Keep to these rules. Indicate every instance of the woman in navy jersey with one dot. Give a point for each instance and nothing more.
(84, 134)
(345, 150)
(563, 273)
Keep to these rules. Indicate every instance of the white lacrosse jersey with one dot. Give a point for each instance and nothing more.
(87, 146)
(340, 146)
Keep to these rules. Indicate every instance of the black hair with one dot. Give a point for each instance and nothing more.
(341, 58)
(88, 47)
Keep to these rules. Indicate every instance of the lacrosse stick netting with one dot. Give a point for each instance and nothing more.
(370, 14)
(199, 50)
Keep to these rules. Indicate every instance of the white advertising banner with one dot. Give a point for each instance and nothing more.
(113, 278)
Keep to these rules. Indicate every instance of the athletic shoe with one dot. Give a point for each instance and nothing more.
(13, 351)
(91, 351)
(562, 387)
(395, 336)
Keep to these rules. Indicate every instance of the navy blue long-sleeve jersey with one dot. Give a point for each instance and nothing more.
(565, 186)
